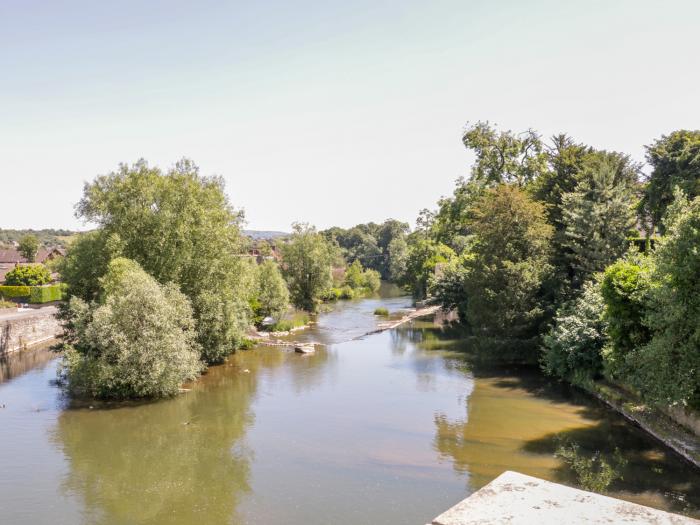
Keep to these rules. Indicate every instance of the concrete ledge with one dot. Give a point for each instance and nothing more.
(514, 498)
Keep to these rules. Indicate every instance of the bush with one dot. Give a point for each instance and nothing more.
(28, 275)
(46, 294)
(15, 292)
(139, 343)
(381, 311)
(625, 288)
(667, 369)
(573, 346)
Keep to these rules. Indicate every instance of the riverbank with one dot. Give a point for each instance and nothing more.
(657, 423)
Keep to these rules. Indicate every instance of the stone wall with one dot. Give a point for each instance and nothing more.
(26, 329)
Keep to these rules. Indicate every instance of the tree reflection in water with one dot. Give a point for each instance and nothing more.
(178, 461)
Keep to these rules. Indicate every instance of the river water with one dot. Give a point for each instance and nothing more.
(389, 428)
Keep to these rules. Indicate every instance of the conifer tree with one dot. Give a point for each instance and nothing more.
(598, 215)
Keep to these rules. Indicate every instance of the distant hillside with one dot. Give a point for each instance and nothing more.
(262, 234)
(47, 237)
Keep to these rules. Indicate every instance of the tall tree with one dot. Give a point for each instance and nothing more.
(507, 266)
(675, 161)
(504, 157)
(179, 227)
(307, 265)
(28, 247)
(598, 216)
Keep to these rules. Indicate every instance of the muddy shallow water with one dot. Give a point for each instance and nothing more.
(389, 428)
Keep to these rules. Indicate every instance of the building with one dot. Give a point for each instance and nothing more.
(10, 257)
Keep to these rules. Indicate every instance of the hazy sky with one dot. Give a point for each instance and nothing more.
(331, 112)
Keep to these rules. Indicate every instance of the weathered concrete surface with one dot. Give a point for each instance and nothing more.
(23, 329)
(514, 498)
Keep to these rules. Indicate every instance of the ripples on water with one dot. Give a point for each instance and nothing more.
(390, 428)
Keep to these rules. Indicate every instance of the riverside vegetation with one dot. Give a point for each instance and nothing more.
(550, 252)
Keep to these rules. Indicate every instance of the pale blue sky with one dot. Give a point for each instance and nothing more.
(323, 111)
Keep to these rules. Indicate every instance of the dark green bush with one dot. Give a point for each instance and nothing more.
(34, 275)
(14, 292)
(45, 294)
(625, 290)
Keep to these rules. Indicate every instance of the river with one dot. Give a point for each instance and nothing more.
(389, 428)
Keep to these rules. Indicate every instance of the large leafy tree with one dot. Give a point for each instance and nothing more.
(307, 266)
(675, 161)
(503, 156)
(508, 264)
(139, 341)
(180, 227)
(598, 215)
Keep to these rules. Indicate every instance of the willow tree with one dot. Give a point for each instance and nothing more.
(179, 227)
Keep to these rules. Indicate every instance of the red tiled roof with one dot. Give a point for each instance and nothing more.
(13, 256)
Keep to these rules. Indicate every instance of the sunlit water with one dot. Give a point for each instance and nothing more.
(389, 428)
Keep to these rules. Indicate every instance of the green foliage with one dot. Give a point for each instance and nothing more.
(598, 216)
(370, 244)
(28, 246)
(46, 294)
(448, 289)
(424, 255)
(272, 297)
(507, 267)
(180, 228)
(28, 275)
(381, 311)
(15, 292)
(595, 472)
(504, 157)
(361, 280)
(307, 258)
(667, 369)
(295, 320)
(625, 289)
(47, 237)
(86, 262)
(450, 225)
(572, 348)
(397, 252)
(675, 162)
(140, 342)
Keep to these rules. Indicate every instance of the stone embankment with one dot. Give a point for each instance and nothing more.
(21, 329)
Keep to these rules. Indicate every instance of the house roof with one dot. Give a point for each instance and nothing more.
(12, 256)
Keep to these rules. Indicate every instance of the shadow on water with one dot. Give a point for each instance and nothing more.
(516, 419)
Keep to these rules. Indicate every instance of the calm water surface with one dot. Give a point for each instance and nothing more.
(389, 428)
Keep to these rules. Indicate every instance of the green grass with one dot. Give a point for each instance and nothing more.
(294, 320)
(381, 311)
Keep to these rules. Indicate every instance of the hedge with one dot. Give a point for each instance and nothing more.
(14, 292)
(34, 294)
(46, 294)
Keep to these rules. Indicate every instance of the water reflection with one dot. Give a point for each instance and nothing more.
(17, 363)
(177, 461)
(515, 419)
